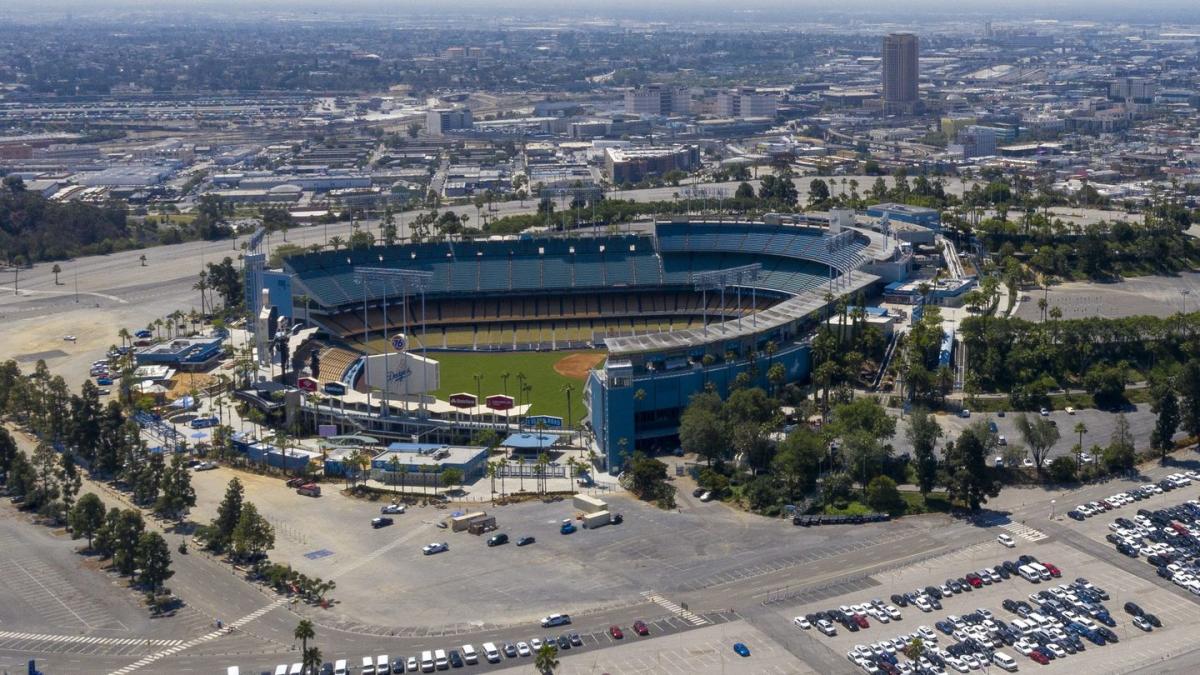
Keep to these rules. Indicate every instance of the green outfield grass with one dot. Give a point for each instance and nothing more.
(458, 370)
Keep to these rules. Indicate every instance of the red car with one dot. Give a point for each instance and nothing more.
(1054, 571)
(615, 632)
(640, 627)
(1039, 657)
(974, 580)
(861, 621)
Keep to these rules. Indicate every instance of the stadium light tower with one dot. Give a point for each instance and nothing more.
(722, 279)
(410, 282)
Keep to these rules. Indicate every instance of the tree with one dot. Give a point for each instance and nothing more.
(882, 495)
(69, 482)
(228, 515)
(915, 649)
(56, 270)
(253, 536)
(1166, 406)
(153, 561)
(1120, 455)
(312, 660)
(127, 534)
(646, 477)
(863, 415)
(87, 517)
(702, 428)
(176, 494)
(923, 433)
(304, 632)
(818, 193)
(546, 659)
(452, 476)
(1062, 469)
(1039, 435)
(744, 191)
(798, 461)
(1189, 397)
(966, 475)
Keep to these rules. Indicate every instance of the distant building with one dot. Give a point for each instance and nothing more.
(631, 165)
(746, 102)
(977, 141)
(657, 100)
(901, 72)
(1132, 89)
(441, 120)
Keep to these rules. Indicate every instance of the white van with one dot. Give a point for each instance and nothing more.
(1021, 626)
(491, 653)
(1004, 661)
(281, 669)
(382, 665)
(233, 670)
(368, 666)
(1028, 574)
(296, 669)
(440, 660)
(470, 655)
(339, 667)
(427, 662)
(1042, 572)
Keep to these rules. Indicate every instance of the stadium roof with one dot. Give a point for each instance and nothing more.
(787, 311)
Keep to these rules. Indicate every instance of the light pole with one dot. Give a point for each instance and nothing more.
(1052, 503)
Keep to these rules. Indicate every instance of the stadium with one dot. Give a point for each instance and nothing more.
(655, 316)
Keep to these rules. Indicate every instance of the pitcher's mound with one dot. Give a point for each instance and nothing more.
(576, 366)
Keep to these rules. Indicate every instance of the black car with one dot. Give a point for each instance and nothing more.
(1074, 515)
(575, 639)
(1132, 608)
(935, 603)
(1003, 572)
(525, 541)
(899, 600)
(398, 665)
(698, 491)
(381, 522)
(497, 539)
(564, 642)
(1011, 567)
(455, 659)
(510, 650)
(1107, 633)
(933, 592)
(1010, 605)
(1152, 620)
(327, 669)
(617, 519)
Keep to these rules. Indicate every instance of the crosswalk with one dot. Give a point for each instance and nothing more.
(86, 639)
(1025, 531)
(686, 615)
(207, 637)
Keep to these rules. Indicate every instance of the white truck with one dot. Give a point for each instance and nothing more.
(598, 519)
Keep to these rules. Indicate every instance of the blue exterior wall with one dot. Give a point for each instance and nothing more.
(279, 287)
(930, 218)
(654, 420)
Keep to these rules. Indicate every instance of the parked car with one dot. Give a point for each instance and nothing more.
(430, 549)
(497, 539)
(615, 632)
(525, 541)
(392, 508)
(381, 521)
(640, 627)
(741, 649)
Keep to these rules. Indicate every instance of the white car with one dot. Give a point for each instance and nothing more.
(1045, 412)
(826, 627)
(1070, 410)
(392, 508)
(923, 605)
(523, 649)
(412, 666)
(1006, 540)
(1058, 651)
(435, 547)
(893, 612)
(68, 338)
(801, 622)
(535, 644)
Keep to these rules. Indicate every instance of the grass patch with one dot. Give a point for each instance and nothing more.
(913, 505)
(547, 397)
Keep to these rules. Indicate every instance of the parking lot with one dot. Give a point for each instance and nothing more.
(654, 552)
(1180, 616)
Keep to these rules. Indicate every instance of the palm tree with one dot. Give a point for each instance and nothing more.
(491, 473)
(521, 463)
(394, 465)
(546, 659)
(304, 632)
(202, 285)
(568, 390)
(56, 270)
(427, 469)
(125, 336)
(478, 377)
(572, 466)
(312, 659)
(142, 259)
(543, 461)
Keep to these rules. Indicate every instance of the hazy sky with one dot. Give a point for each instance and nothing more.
(1141, 11)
